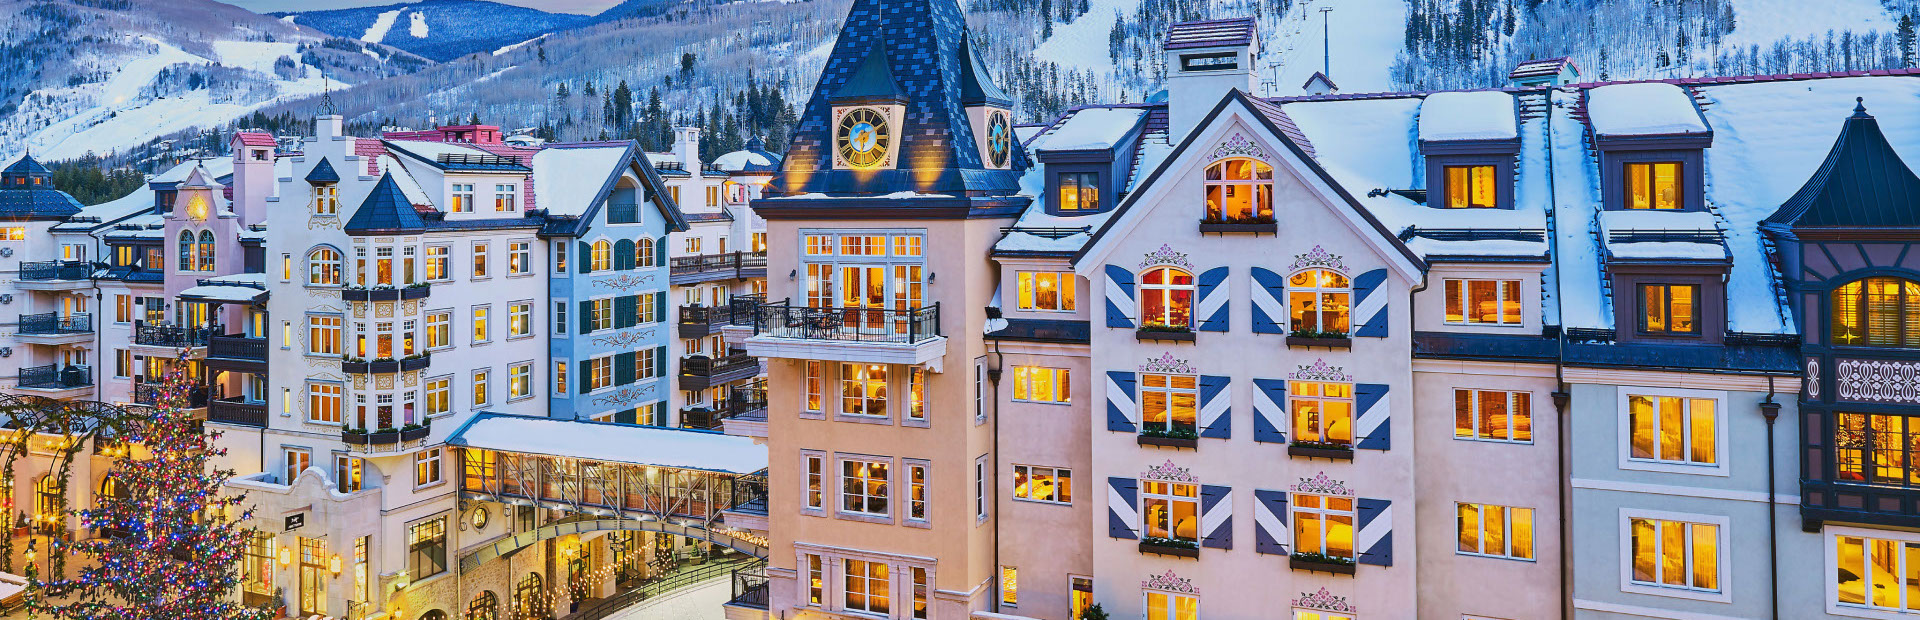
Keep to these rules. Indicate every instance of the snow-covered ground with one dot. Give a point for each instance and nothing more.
(1083, 43)
(1367, 36)
(418, 27)
(700, 601)
(381, 24)
(1762, 22)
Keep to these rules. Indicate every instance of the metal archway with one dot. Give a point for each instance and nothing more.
(509, 545)
(67, 427)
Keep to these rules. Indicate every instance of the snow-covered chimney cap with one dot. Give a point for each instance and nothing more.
(1234, 32)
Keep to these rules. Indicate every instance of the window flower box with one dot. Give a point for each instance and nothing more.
(1311, 338)
(1319, 563)
(1170, 547)
(1169, 438)
(376, 293)
(1320, 450)
(416, 291)
(1240, 225)
(1163, 331)
(416, 362)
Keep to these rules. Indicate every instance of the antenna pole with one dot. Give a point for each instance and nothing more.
(1326, 43)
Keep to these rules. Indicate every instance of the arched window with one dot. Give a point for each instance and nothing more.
(485, 606)
(1319, 300)
(206, 250)
(187, 261)
(528, 600)
(1240, 190)
(323, 267)
(434, 615)
(602, 256)
(46, 500)
(643, 253)
(109, 487)
(1877, 312)
(623, 255)
(1166, 299)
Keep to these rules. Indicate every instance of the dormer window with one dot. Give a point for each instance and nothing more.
(503, 198)
(1239, 190)
(1669, 309)
(1653, 185)
(1471, 187)
(1079, 191)
(462, 201)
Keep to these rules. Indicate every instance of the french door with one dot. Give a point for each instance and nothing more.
(863, 297)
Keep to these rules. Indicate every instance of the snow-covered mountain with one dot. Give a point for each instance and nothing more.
(104, 75)
(439, 29)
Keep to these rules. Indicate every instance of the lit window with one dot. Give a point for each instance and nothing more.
(816, 476)
(323, 335)
(917, 393)
(479, 260)
(1239, 190)
(919, 593)
(1170, 511)
(1041, 385)
(480, 390)
(1169, 404)
(1653, 185)
(520, 319)
(481, 332)
(323, 403)
(1501, 531)
(1170, 606)
(519, 258)
(1493, 415)
(1470, 187)
(1323, 526)
(1009, 585)
(816, 582)
(439, 329)
(1878, 573)
(560, 377)
(438, 263)
(599, 373)
(863, 389)
(1043, 484)
(601, 258)
(1676, 554)
(1483, 302)
(916, 491)
(426, 467)
(326, 200)
(1877, 448)
(439, 395)
(1079, 191)
(903, 245)
(519, 381)
(504, 199)
(462, 198)
(644, 253)
(1046, 291)
(819, 245)
(1669, 309)
(867, 587)
(816, 385)
(1166, 299)
(600, 314)
(427, 548)
(1674, 429)
(1877, 312)
(864, 487)
(1320, 300)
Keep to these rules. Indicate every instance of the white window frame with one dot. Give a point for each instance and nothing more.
(521, 372)
(1830, 544)
(1146, 595)
(445, 324)
(445, 259)
(1053, 473)
(1066, 288)
(428, 389)
(523, 312)
(339, 397)
(1023, 385)
(1499, 296)
(813, 474)
(481, 387)
(520, 251)
(981, 506)
(917, 492)
(1474, 402)
(561, 380)
(1722, 546)
(481, 323)
(840, 462)
(1295, 508)
(814, 381)
(431, 461)
(482, 263)
(1625, 438)
(1506, 528)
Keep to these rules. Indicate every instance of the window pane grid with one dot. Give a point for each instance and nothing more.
(1676, 554)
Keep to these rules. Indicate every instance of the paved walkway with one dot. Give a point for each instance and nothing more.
(700, 601)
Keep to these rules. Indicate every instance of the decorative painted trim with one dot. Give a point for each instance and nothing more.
(324, 222)
(1323, 485)
(624, 282)
(1239, 145)
(624, 339)
(1166, 255)
(1317, 257)
(1321, 371)
(624, 396)
(1167, 364)
(1323, 601)
(1813, 378)
(1875, 381)
(1168, 472)
(1170, 582)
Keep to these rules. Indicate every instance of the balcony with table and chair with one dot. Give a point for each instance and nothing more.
(863, 335)
(56, 381)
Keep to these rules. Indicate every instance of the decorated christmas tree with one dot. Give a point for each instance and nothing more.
(176, 545)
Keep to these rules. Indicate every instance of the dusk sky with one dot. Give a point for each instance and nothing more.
(585, 7)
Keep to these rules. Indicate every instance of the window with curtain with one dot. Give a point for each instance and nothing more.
(1653, 185)
(1239, 190)
(323, 267)
(1166, 299)
(1471, 187)
(1319, 301)
(187, 260)
(1876, 312)
(206, 251)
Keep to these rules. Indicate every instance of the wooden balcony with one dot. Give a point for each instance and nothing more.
(699, 372)
(712, 267)
(238, 411)
(237, 352)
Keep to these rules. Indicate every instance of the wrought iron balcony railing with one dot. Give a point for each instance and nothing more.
(785, 320)
(52, 324)
(55, 270)
(172, 335)
(55, 377)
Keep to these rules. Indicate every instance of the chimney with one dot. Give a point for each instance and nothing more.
(1205, 61)
(253, 181)
(329, 127)
(686, 148)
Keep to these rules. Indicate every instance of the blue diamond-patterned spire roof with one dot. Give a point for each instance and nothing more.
(1863, 182)
(977, 85)
(922, 45)
(27, 166)
(872, 82)
(386, 210)
(322, 174)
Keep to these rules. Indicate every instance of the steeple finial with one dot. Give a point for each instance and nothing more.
(1860, 108)
(326, 94)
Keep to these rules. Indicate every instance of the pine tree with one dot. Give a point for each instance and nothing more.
(1903, 35)
(179, 552)
(622, 104)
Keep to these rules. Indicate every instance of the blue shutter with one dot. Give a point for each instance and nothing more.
(659, 364)
(1216, 517)
(1120, 299)
(586, 258)
(1269, 309)
(1122, 509)
(1373, 428)
(1373, 539)
(1216, 407)
(1270, 410)
(1370, 305)
(1120, 402)
(660, 248)
(1214, 296)
(1270, 532)
(586, 317)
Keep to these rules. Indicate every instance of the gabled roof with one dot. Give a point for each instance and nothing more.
(630, 158)
(1542, 68)
(1863, 182)
(323, 173)
(386, 210)
(1319, 77)
(255, 138)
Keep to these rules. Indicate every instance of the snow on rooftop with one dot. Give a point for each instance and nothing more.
(619, 443)
(1678, 250)
(409, 186)
(433, 150)
(1643, 109)
(1484, 247)
(567, 181)
(739, 160)
(1649, 219)
(1091, 128)
(1472, 115)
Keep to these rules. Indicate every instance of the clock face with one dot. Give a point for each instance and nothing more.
(863, 138)
(999, 139)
